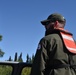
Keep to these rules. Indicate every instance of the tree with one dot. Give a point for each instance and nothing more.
(20, 58)
(1, 52)
(16, 55)
(28, 59)
(10, 59)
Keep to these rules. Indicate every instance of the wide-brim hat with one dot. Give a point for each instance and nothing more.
(52, 18)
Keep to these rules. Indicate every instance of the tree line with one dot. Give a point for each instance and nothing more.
(20, 59)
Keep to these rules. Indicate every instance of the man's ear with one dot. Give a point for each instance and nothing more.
(56, 25)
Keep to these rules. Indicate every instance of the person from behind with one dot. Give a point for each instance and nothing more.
(56, 51)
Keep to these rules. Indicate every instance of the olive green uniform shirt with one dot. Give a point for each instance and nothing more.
(50, 53)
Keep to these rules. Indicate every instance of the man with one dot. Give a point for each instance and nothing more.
(56, 52)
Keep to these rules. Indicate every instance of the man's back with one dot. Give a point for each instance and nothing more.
(60, 58)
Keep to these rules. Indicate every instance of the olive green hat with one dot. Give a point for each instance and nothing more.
(52, 18)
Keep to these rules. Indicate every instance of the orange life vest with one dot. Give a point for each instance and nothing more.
(68, 41)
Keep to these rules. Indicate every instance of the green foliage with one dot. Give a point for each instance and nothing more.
(1, 53)
(20, 58)
(5, 70)
(26, 71)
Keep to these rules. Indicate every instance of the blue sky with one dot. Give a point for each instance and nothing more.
(20, 23)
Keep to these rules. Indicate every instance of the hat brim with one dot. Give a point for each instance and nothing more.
(45, 22)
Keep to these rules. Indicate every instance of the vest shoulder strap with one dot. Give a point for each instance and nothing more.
(69, 42)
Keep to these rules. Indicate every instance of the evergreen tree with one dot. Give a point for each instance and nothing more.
(10, 59)
(28, 59)
(20, 58)
(15, 59)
